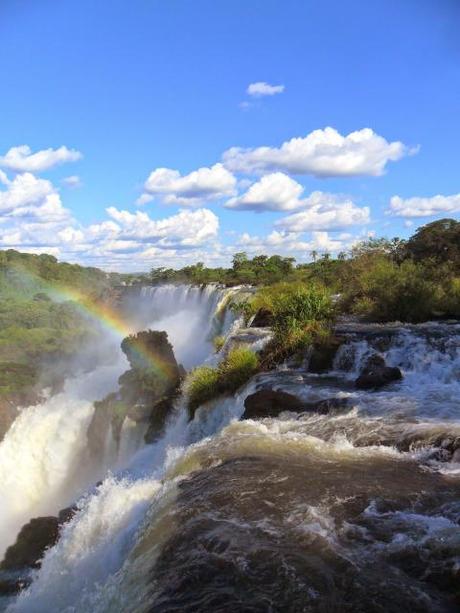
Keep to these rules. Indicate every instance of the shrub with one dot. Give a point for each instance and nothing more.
(202, 385)
(387, 291)
(238, 367)
(205, 383)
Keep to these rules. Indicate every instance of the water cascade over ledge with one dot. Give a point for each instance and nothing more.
(299, 512)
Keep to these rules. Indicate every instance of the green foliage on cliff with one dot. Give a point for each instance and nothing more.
(206, 383)
(37, 324)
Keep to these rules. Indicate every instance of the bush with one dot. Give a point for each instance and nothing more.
(237, 368)
(301, 315)
(205, 383)
(387, 291)
(202, 385)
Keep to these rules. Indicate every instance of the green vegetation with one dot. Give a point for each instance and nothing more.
(218, 342)
(380, 279)
(37, 323)
(205, 383)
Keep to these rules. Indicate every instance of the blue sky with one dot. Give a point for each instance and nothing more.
(161, 132)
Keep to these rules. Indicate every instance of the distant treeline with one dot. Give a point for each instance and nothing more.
(381, 279)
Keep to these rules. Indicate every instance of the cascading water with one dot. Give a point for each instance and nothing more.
(309, 512)
(44, 459)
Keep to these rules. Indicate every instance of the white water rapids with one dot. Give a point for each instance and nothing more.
(98, 565)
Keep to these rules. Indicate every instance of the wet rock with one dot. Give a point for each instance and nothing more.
(270, 403)
(146, 391)
(262, 319)
(157, 419)
(10, 587)
(34, 538)
(330, 405)
(32, 541)
(376, 374)
(322, 356)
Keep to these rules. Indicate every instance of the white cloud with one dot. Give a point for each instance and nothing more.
(21, 159)
(185, 229)
(198, 186)
(273, 192)
(421, 207)
(27, 196)
(291, 243)
(72, 182)
(325, 212)
(322, 153)
(261, 88)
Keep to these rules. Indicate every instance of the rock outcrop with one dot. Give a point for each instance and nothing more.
(146, 393)
(270, 403)
(34, 539)
(376, 374)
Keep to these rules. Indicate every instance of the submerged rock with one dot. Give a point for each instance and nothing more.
(376, 374)
(270, 403)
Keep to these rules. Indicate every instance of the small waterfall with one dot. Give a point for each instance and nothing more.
(191, 315)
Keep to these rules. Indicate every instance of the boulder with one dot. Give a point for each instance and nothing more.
(33, 540)
(270, 403)
(376, 374)
(323, 354)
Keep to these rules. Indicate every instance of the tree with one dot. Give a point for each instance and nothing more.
(439, 240)
(239, 260)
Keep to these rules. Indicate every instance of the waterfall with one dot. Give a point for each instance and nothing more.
(44, 459)
(292, 510)
(191, 315)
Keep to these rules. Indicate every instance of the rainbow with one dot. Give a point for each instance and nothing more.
(100, 312)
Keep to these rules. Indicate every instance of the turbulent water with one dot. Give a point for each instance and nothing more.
(358, 510)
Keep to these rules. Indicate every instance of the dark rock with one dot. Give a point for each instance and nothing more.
(262, 319)
(376, 374)
(322, 355)
(157, 421)
(270, 403)
(32, 541)
(10, 587)
(146, 392)
(330, 405)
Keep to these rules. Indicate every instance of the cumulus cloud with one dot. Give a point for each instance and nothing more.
(422, 207)
(322, 153)
(291, 243)
(198, 186)
(273, 192)
(21, 159)
(185, 229)
(325, 212)
(261, 88)
(27, 196)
